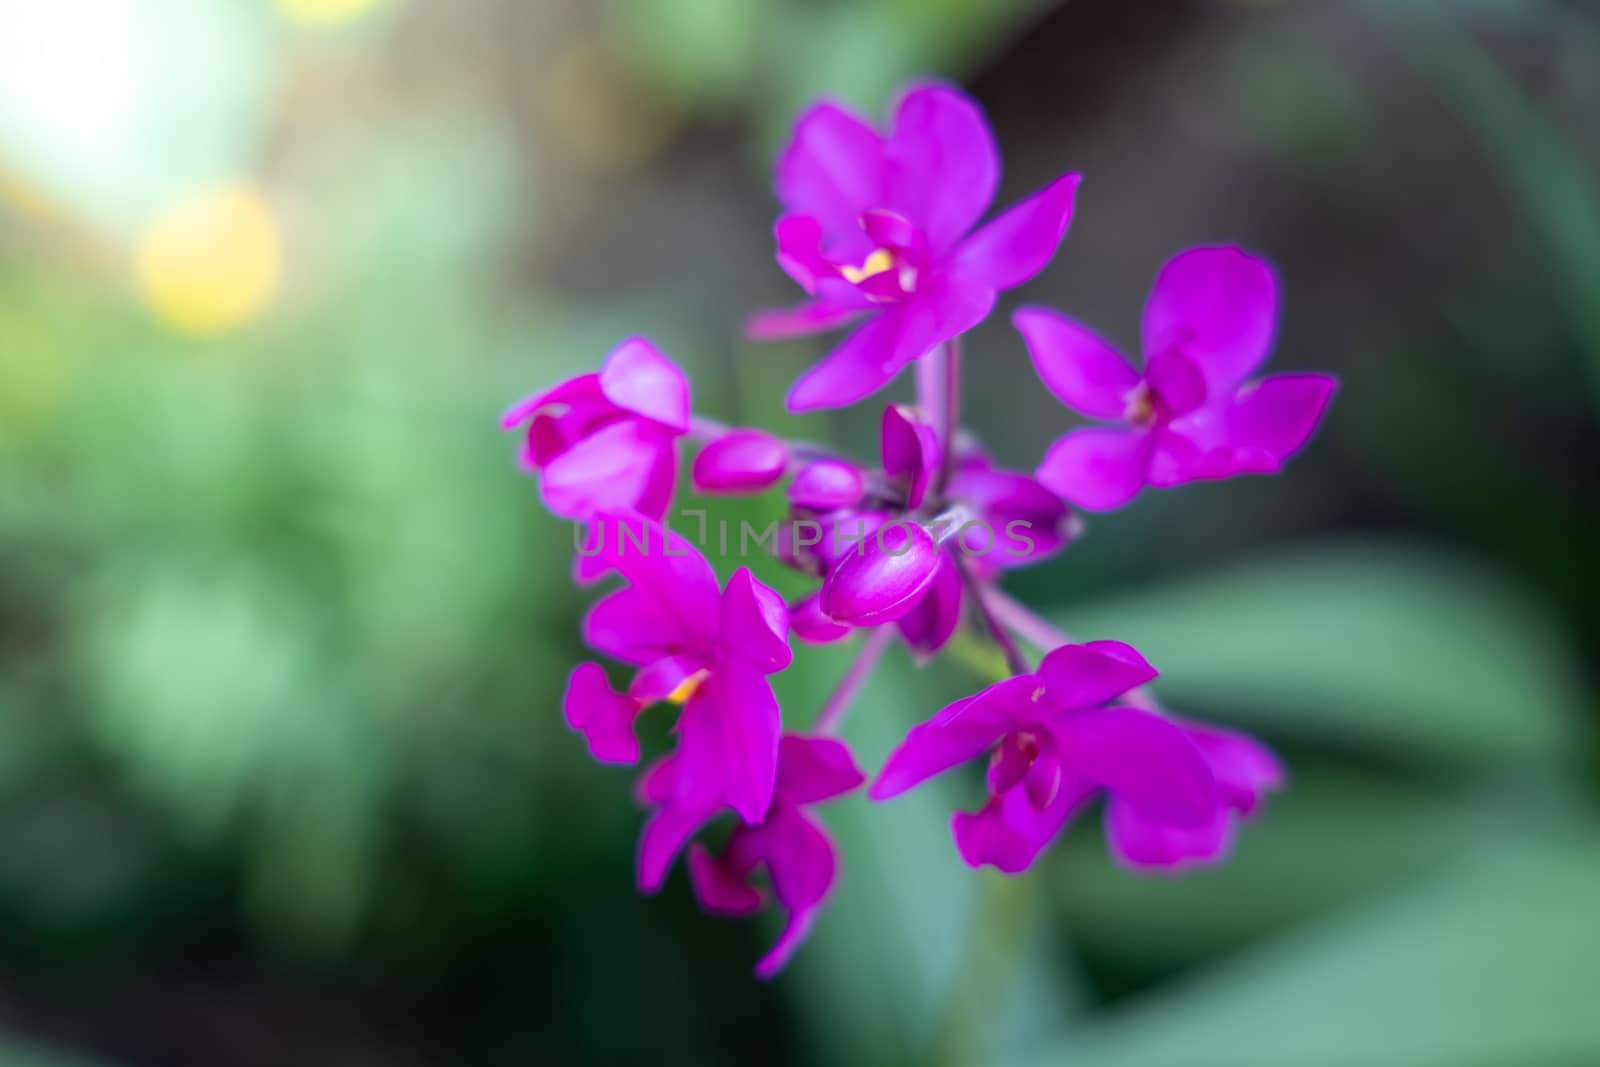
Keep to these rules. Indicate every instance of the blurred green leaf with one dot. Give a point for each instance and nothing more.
(1495, 961)
(1365, 644)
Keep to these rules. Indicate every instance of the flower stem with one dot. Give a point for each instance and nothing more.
(844, 694)
(1013, 613)
(939, 400)
(1015, 660)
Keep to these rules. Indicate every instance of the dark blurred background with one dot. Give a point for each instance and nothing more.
(283, 778)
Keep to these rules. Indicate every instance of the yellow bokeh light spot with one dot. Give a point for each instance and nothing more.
(212, 263)
(324, 12)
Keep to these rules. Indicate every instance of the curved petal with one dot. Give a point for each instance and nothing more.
(664, 679)
(663, 836)
(870, 357)
(910, 451)
(1022, 240)
(1142, 843)
(800, 858)
(755, 623)
(814, 316)
(1143, 758)
(718, 887)
(626, 626)
(814, 769)
(602, 715)
(1278, 415)
(832, 169)
(674, 582)
(933, 619)
(863, 363)
(741, 461)
(1097, 469)
(747, 725)
(1244, 767)
(962, 731)
(1009, 833)
(1079, 368)
(1219, 307)
(609, 470)
(1088, 675)
(812, 625)
(941, 164)
(638, 378)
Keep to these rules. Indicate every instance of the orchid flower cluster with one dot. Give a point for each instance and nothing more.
(881, 230)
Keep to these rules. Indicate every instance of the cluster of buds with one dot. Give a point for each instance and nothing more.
(881, 231)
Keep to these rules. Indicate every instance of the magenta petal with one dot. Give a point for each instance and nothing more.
(910, 452)
(1143, 758)
(814, 769)
(659, 680)
(674, 582)
(1244, 767)
(814, 316)
(741, 461)
(941, 163)
(800, 859)
(795, 932)
(656, 499)
(1096, 469)
(1277, 415)
(1029, 522)
(625, 625)
(961, 732)
(832, 169)
(604, 716)
(1078, 367)
(655, 786)
(1146, 844)
(1088, 675)
(1177, 382)
(664, 835)
(749, 723)
(1021, 241)
(928, 626)
(827, 485)
(638, 378)
(720, 890)
(755, 623)
(1009, 833)
(863, 363)
(1219, 307)
(606, 471)
(580, 392)
(883, 580)
(812, 625)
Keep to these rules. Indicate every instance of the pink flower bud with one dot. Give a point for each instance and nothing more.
(884, 578)
(743, 461)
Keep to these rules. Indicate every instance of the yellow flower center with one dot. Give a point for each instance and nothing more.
(880, 261)
(687, 688)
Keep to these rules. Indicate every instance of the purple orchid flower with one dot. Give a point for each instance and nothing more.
(877, 227)
(706, 649)
(1192, 415)
(608, 441)
(1053, 745)
(800, 859)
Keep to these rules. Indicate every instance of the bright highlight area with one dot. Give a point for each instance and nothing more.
(212, 263)
(325, 12)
